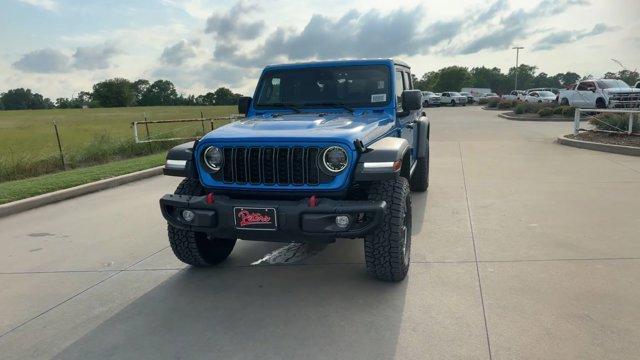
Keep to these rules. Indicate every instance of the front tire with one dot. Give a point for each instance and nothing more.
(453, 103)
(564, 102)
(197, 248)
(387, 250)
(600, 103)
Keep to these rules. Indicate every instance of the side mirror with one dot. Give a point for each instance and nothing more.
(244, 103)
(412, 100)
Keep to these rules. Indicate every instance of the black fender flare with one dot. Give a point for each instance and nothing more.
(423, 128)
(180, 161)
(382, 160)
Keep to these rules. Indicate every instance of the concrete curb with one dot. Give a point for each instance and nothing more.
(589, 145)
(508, 116)
(60, 195)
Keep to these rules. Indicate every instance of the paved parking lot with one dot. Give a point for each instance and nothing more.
(522, 249)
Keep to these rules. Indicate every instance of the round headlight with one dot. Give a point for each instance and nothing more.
(335, 159)
(213, 158)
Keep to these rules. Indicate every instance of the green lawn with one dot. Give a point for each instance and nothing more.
(30, 132)
(28, 145)
(21, 189)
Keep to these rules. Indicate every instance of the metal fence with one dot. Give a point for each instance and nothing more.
(589, 112)
(207, 124)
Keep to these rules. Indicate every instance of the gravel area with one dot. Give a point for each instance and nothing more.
(608, 138)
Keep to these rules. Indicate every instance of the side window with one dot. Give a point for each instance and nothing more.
(582, 86)
(399, 90)
(407, 80)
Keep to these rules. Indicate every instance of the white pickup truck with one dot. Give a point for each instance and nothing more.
(604, 93)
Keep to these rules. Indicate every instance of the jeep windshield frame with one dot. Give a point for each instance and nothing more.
(340, 87)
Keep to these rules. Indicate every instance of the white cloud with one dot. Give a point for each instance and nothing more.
(49, 5)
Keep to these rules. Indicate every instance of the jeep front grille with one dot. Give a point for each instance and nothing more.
(271, 165)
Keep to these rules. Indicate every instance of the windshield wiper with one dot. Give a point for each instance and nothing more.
(332, 104)
(289, 106)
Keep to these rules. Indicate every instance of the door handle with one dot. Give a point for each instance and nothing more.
(409, 126)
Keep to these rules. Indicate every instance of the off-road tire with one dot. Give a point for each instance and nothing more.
(387, 250)
(453, 103)
(420, 178)
(600, 103)
(564, 102)
(197, 248)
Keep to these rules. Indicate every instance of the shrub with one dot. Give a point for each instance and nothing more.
(568, 111)
(493, 103)
(483, 101)
(520, 109)
(545, 111)
(613, 122)
(505, 104)
(558, 110)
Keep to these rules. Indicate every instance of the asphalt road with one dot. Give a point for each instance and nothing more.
(522, 249)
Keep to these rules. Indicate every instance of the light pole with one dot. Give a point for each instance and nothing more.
(517, 48)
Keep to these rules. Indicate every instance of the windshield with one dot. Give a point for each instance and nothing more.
(612, 83)
(546, 94)
(352, 86)
(454, 94)
(427, 93)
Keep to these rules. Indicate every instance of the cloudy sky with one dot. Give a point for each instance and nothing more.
(61, 47)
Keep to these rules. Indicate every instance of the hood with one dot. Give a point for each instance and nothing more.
(342, 127)
(622, 90)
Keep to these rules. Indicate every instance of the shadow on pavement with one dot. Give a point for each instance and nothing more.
(266, 312)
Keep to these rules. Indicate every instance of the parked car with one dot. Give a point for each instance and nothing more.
(476, 93)
(514, 95)
(601, 93)
(469, 97)
(430, 99)
(540, 97)
(327, 150)
(555, 91)
(637, 86)
(490, 96)
(452, 98)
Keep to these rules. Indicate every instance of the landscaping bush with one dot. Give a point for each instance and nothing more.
(505, 104)
(493, 103)
(568, 111)
(613, 122)
(545, 111)
(483, 101)
(519, 109)
(558, 110)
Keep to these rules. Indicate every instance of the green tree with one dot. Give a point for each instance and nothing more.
(139, 87)
(526, 74)
(569, 78)
(452, 78)
(117, 92)
(224, 96)
(492, 78)
(22, 99)
(161, 92)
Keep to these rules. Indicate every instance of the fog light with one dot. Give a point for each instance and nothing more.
(188, 215)
(343, 221)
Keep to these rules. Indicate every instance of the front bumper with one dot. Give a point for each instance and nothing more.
(296, 220)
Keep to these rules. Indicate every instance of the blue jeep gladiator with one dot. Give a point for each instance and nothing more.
(327, 150)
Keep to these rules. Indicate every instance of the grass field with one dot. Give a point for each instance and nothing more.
(21, 189)
(28, 145)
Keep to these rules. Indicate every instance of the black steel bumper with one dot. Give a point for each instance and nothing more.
(297, 221)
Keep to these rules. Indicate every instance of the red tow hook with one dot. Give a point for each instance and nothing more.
(210, 198)
(313, 201)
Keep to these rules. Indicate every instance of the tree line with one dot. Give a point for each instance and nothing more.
(454, 78)
(117, 92)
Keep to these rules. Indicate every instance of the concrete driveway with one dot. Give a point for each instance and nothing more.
(522, 249)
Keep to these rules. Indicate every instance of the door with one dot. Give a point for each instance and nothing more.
(407, 119)
(586, 94)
